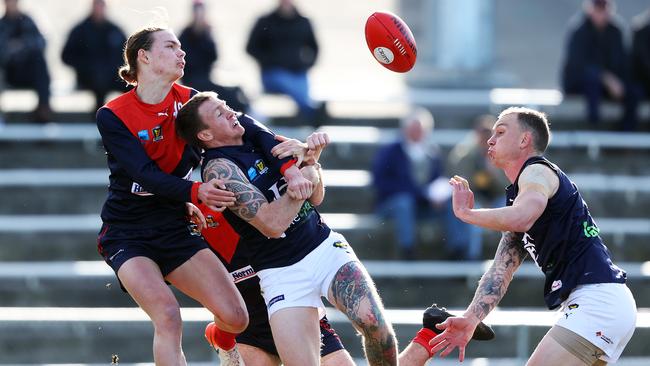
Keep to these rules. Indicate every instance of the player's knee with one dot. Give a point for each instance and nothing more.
(233, 320)
(374, 324)
(168, 320)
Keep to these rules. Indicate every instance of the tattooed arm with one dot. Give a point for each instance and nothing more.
(494, 283)
(271, 219)
(491, 288)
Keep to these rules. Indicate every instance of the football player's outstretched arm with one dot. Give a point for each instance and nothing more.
(271, 219)
(491, 288)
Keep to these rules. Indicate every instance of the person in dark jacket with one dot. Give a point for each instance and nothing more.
(22, 57)
(596, 63)
(641, 52)
(284, 46)
(93, 49)
(202, 53)
(409, 182)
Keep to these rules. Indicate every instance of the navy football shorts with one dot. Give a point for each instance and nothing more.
(258, 334)
(168, 246)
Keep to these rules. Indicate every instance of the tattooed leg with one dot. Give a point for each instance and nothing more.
(353, 292)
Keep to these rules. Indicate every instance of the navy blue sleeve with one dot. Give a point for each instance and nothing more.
(262, 137)
(127, 154)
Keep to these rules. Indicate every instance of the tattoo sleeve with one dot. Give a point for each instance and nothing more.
(494, 283)
(249, 198)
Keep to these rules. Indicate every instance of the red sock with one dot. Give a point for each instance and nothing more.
(423, 337)
(220, 338)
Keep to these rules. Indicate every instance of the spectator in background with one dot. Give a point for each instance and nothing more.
(469, 159)
(641, 52)
(22, 57)
(284, 46)
(596, 63)
(409, 183)
(93, 49)
(202, 53)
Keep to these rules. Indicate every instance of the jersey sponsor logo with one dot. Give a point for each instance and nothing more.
(602, 336)
(157, 133)
(112, 258)
(275, 299)
(163, 114)
(341, 245)
(590, 231)
(243, 274)
(569, 312)
(177, 107)
(209, 219)
(193, 229)
(136, 188)
(257, 170)
(529, 245)
(143, 135)
(556, 285)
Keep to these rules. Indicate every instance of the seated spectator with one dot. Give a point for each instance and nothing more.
(641, 52)
(469, 159)
(22, 57)
(284, 46)
(596, 63)
(410, 186)
(93, 49)
(196, 40)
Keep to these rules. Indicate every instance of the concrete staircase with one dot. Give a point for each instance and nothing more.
(56, 293)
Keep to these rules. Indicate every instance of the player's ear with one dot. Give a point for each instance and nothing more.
(526, 139)
(204, 135)
(142, 56)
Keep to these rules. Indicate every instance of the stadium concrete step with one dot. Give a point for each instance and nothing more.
(401, 284)
(82, 335)
(83, 191)
(74, 237)
(78, 146)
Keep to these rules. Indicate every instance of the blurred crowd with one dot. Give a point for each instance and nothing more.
(282, 42)
(410, 174)
(599, 64)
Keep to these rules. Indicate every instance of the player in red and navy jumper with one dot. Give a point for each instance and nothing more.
(223, 239)
(146, 237)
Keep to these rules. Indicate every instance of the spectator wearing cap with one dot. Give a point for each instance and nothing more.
(596, 63)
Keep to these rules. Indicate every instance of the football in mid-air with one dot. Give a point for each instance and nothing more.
(391, 42)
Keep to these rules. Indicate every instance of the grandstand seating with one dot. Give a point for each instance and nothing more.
(55, 292)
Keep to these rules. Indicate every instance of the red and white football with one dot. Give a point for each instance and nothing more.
(391, 42)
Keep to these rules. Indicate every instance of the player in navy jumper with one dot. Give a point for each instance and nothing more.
(546, 217)
(295, 254)
(146, 237)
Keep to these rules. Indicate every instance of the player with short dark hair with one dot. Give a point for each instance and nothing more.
(295, 254)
